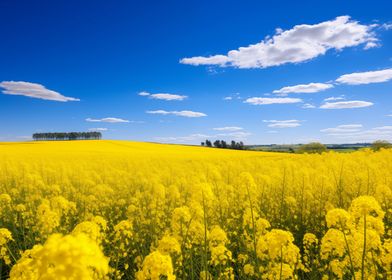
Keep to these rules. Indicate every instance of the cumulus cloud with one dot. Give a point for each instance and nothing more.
(108, 120)
(228, 128)
(299, 44)
(163, 96)
(34, 91)
(185, 113)
(368, 77)
(346, 104)
(283, 123)
(98, 129)
(305, 88)
(344, 128)
(271, 100)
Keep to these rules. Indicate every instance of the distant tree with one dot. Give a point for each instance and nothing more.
(312, 148)
(203, 144)
(208, 143)
(381, 144)
(217, 144)
(67, 136)
(232, 144)
(223, 144)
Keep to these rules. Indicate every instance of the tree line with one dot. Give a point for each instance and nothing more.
(94, 135)
(224, 145)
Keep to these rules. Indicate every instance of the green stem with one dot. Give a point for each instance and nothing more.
(364, 249)
(348, 252)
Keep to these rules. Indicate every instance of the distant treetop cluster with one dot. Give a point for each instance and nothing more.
(94, 135)
(224, 145)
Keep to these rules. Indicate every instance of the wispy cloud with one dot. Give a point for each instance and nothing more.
(304, 88)
(163, 96)
(283, 123)
(34, 91)
(301, 43)
(334, 98)
(344, 128)
(271, 100)
(369, 77)
(98, 129)
(237, 135)
(308, 106)
(188, 138)
(386, 26)
(228, 128)
(346, 104)
(185, 113)
(359, 135)
(108, 120)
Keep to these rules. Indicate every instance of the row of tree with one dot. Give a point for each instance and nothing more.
(94, 135)
(224, 145)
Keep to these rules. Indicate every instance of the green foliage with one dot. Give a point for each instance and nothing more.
(312, 148)
(381, 144)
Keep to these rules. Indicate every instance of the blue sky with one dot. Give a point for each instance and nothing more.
(183, 71)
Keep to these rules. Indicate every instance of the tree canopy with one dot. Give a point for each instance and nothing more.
(50, 136)
(313, 148)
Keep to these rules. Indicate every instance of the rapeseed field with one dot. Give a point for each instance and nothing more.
(129, 210)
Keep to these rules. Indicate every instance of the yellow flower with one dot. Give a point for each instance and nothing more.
(338, 218)
(169, 245)
(62, 257)
(155, 266)
(5, 237)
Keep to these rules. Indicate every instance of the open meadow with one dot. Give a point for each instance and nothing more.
(129, 210)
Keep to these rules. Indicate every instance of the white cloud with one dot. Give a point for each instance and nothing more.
(267, 100)
(98, 129)
(305, 88)
(308, 106)
(387, 127)
(387, 26)
(283, 123)
(228, 128)
(344, 128)
(228, 98)
(237, 135)
(334, 98)
(34, 91)
(369, 77)
(369, 135)
(234, 135)
(108, 120)
(301, 43)
(163, 96)
(346, 104)
(185, 113)
(188, 138)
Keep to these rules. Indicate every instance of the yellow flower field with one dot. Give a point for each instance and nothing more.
(128, 210)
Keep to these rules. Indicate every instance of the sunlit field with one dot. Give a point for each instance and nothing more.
(128, 210)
